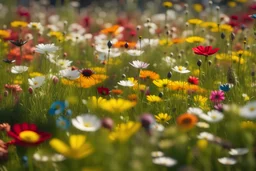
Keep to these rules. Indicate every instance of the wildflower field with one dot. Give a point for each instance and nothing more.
(128, 86)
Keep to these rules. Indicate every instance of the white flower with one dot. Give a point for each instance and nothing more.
(139, 64)
(164, 161)
(134, 52)
(158, 127)
(36, 82)
(249, 110)
(212, 116)
(206, 135)
(227, 161)
(169, 61)
(86, 122)
(46, 48)
(52, 57)
(180, 69)
(63, 63)
(18, 69)
(38, 26)
(157, 154)
(45, 158)
(126, 83)
(70, 74)
(195, 110)
(202, 125)
(114, 52)
(238, 151)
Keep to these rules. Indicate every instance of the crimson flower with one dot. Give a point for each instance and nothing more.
(103, 91)
(193, 80)
(205, 50)
(27, 135)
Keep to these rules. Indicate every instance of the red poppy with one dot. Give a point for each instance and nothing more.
(193, 80)
(103, 91)
(205, 50)
(27, 135)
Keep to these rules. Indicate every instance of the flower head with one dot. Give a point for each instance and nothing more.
(154, 98)
(116, 105)
(217, 96)
(165, 161)
(205, 50)
(227, 161)
(249, 110)
(27, 135)
(149, 74)
(162, 117)
(126, 83)
(36, 82)
(78, 148)
(46, 48)
(193, 80)
(103, 91)
(187, 121)
(18, 69)
(70, 74)
(139, 64)
(86, 122)
(180, 69)
(58, 107)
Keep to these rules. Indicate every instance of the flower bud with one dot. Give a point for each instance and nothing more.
(169, 75)
(55, 79)
(109, 44)
(160, 94)
(199, 63)
(30, 90)
(107, 123)
(222, 35)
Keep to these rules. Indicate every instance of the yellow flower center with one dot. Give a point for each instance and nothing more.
(252, 109)
(87, 125)
(29, 136)
(180, 68)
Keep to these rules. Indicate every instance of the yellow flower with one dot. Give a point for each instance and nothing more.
(223, 28)
(246, 97)
(195, 21)
(243, 53)
(56, 34)
(200, 99)
(99, 70)
(177, 85)
(195, 39)
(198, 7)
(226, 58)
(19, 24)
(196, 72)
(231, 4)
(116, 105)
(162, 117)
(202, 144)
(78, 147)
(153, 98)
(162, 83)
(35, 74)
(94, 102)
(164, 42)
(4, 34)
(248, 125)
(18, 80)
(167, 4)
(209, 25)
(124, 131)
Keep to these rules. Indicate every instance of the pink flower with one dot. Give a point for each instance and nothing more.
(217, 96)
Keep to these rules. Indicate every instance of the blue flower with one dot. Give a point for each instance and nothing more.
(253, 16)
(62, 123)
(58, 107)
(225, 87)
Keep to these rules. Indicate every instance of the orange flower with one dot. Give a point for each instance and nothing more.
(149, 74)
(133, 97)
(177, 40)
(111, 30)
(28, 57)
(121, 44)
(116, 91)
(187, 121)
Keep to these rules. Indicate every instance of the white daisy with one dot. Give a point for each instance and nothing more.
(212, 116)
(227, 161)
(45, 158)
(46, 48)
(70, 74)
(18, 69)
(238, 151)
(157, 154)
(164, 161)
(249, 110)
(134, 52)
(206, 135)
(63, 63)
(126, 83)
(195, 110)
(86, 122)
(36, 82)
(139, 64)
(180, 69)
